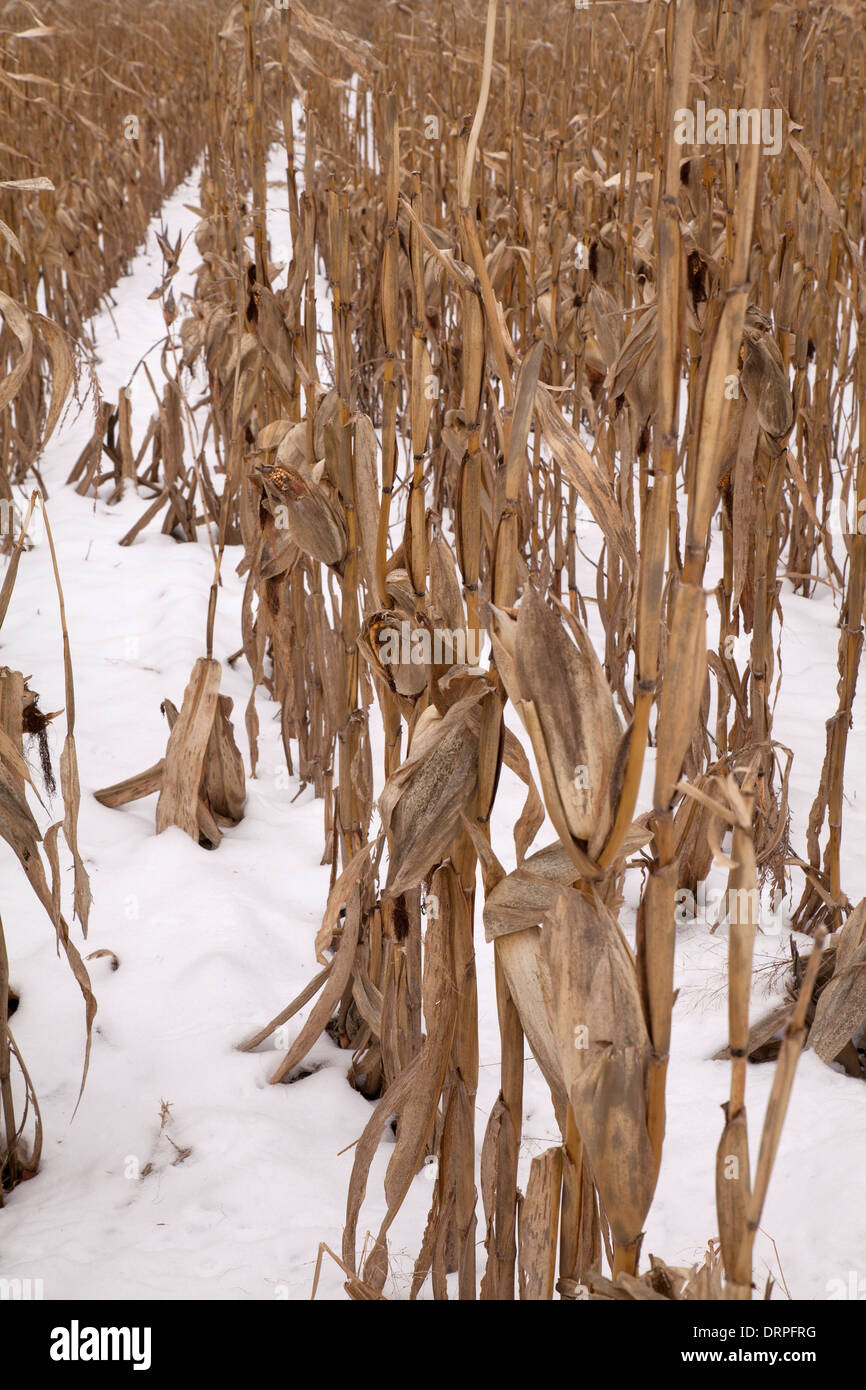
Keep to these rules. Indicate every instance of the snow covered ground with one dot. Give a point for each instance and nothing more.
(184, 1174)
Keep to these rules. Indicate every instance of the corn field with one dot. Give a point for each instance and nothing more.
(524, 451)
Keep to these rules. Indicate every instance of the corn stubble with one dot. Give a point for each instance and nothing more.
(533, 288)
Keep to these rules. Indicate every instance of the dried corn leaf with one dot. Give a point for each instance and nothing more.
(338, 978)
(187, 748)
(18, 324)
(539, 1227)
(578, 736)
(596, 1016)
(224, 784)
(841, 1010)
(585, 477)
(422, 802)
